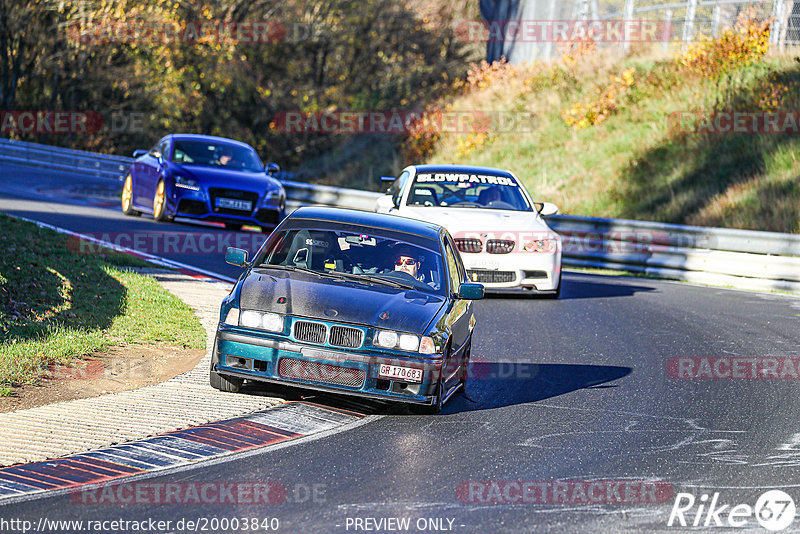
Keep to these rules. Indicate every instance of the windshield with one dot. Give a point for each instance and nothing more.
(368, 258)
(467, 191)
(207, 154)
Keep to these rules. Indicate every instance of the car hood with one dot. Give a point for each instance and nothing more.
(230, 179)
(337, 301)
(465, 220)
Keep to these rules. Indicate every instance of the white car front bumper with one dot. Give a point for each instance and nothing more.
(499, 273)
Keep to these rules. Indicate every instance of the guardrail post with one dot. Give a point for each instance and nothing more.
(777, 23)
(667, 37)
(715, 21)
(626, 46)
(688, 24)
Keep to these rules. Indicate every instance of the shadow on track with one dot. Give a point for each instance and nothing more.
(586, 287)
(496, 385)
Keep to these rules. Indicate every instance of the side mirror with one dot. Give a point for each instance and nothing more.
(272, 169)
(156, 154)
(546, 209)
(236, 256)
(384, 204)
(470, 291)
(139, 153)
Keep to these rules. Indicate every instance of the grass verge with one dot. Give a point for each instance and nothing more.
(58, 304)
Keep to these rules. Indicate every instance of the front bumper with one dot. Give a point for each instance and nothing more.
(507, 273)
(266, 212)
(269, 358)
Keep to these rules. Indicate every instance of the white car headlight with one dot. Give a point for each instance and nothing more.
(386, 338)
(232, 317)
(547, 246)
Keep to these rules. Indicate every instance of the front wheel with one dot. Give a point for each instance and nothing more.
(430, 409)
(230, 384)
(160, 203)
(127, 197)
(557, 293)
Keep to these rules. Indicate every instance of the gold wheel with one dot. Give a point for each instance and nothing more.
(127, 197)
(158, 202)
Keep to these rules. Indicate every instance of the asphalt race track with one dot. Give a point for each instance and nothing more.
(584, 401)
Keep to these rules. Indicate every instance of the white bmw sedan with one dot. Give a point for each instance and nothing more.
(504, 241)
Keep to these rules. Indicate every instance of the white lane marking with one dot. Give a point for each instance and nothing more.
(158, 260)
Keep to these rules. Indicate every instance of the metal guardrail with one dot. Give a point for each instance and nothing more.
(717, 256)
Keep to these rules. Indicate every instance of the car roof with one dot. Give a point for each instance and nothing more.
(200, 137)
(462, 169)
(368, 218)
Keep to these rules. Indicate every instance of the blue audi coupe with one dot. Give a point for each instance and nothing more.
(206, 178)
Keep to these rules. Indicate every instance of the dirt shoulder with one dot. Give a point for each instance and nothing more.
(121, 368)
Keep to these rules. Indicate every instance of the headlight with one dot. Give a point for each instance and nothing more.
(548, 246)
(387, 338)
(187, 183)
(409, 343)
(272, 322)
(250, 319)
(232, 317)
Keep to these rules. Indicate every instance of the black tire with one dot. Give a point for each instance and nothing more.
(465, 366)
(160, 204)
(230, 384)
(430, 409)
(233, 227)
(557, 294)
(127, 197)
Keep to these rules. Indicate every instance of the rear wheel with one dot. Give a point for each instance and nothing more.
(160, 203)
(127, 197)
(229, 384)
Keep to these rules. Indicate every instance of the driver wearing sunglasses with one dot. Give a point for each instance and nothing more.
(407, 261)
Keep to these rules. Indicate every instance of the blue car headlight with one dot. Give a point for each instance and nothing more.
(406, 342)
(186, 183)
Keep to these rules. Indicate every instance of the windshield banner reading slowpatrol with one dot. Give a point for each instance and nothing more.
(453, 178)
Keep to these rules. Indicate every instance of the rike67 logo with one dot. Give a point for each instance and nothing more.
(774, 510)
